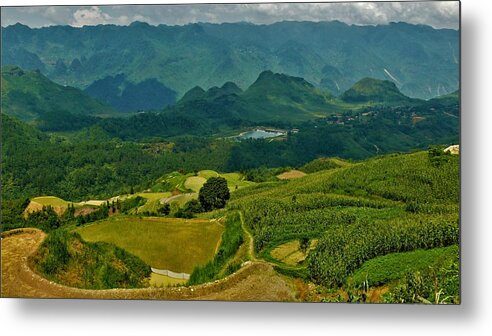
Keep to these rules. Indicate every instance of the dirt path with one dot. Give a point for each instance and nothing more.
(249, 239)
(256, 281)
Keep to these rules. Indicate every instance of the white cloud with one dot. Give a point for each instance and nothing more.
(95, 15)
(439, 14)
(90, 16)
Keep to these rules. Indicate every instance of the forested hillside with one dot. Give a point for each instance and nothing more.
(331, 55)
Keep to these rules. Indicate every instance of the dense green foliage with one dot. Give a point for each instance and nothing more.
(263, 174)
(344, 248)
(394, 266)
(130, 203)
(214, 194)
(33, 165)
(332, 55)
(46, 219)
(434, 285)
(189, 210)
(12, 213)
(232, 238)
(65, 258)
(101, 213)
(389, 204)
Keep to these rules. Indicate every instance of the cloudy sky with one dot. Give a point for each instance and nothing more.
(439, 14)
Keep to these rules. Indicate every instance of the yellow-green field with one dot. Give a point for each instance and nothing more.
(181, 199)
(236, 181)
(206, 174)
(290, 253)
(153, 201)
(50, 200)
(164, 243)
(159, 280)
(195, 183)
(291, 174)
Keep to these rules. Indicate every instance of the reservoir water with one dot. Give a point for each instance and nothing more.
(259, 134)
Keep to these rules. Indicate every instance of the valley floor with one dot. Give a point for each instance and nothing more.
(256, 281)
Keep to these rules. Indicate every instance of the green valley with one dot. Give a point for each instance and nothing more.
(286, 161)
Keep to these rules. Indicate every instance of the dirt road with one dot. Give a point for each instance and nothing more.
(256, 281)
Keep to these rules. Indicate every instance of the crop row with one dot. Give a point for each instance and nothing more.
(343, 249)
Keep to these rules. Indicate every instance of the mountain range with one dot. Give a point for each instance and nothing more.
(273, 99)
(105, 60)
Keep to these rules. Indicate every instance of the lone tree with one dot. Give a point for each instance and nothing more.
(214, 193)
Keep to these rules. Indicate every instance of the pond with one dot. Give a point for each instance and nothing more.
(259, 134)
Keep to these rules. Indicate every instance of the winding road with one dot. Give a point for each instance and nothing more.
(256, 281)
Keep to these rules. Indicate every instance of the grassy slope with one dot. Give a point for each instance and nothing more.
(29, 95)
(174, 244)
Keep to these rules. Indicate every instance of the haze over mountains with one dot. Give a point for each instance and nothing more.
(107, 60)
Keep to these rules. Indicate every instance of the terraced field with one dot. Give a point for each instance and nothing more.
(164, 243)
(154, 201)
(253, 282)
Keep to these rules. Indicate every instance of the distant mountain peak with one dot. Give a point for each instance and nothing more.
(265, 74)
(139, 24)
(231, 87)
(374, 90)
(193, 94)
(270, 77)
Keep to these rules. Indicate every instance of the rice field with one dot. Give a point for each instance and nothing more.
(164, 243)
(195, 183)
